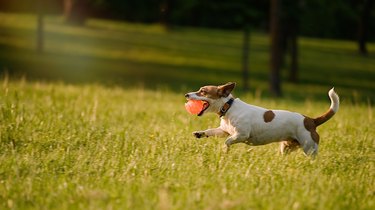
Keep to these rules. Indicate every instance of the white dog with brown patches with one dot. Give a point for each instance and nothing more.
(253, 125)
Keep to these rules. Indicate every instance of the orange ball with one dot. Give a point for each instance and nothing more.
(194, 106)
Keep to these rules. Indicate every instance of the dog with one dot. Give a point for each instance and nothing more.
(253, 125)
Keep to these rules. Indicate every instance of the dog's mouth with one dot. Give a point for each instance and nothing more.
(204, 107)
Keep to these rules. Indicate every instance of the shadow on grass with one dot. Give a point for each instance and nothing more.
(81, 69)
(78, 69)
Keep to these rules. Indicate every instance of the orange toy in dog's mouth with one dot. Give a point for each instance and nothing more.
(196, 106)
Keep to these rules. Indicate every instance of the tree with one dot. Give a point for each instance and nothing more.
(293, 47)
(40, 27)
(245, 57)
(247, 16)
(165, 13)
(276, 52)
(363, 26)
(290, 25)
(75, 11)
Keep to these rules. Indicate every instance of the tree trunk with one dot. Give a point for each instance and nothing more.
(276, 51)
(293, 39)
(40, 27)
(75, 11)
(165, 13)
(363, 26)
(245, 57)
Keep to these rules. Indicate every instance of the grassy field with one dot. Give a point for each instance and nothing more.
(92, 147)
(97, 121)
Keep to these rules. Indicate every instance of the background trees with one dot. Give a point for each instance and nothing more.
(320, 18)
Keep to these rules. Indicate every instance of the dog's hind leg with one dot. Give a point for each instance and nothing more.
(234, 139)
(309, 142)
(288, 146)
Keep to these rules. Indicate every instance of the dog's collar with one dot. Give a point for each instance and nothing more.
(225, 107)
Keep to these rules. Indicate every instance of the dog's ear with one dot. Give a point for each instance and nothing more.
(225, 90)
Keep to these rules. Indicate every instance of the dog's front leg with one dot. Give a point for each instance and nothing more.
(210, 132)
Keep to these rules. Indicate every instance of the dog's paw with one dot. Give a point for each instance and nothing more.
(225, 149)
(249, 150)
(198, 134)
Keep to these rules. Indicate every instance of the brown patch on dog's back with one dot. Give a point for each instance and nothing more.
(268, 116)
(311, 127)
(309, 123)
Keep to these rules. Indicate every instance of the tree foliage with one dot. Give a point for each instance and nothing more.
(320, 18)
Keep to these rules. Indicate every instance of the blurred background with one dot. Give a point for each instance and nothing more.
(289, 48)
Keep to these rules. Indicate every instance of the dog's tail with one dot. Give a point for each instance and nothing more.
(335, 103)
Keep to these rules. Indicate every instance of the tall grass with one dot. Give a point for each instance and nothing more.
(93, 147)
(69, 143)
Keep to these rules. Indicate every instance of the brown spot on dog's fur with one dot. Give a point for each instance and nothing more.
(268, 116)
(310, 125)
(315, 136)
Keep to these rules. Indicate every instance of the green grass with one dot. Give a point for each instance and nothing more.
(97, 121)
(93, 147)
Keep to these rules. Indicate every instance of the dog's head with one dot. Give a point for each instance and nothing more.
(213, 97)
